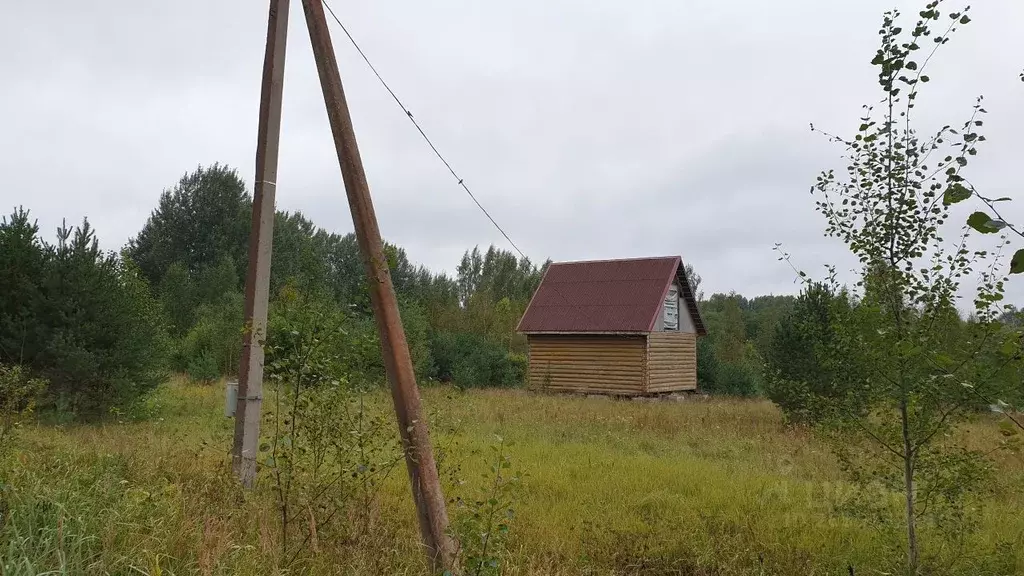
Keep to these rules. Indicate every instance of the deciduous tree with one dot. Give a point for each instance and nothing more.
(896, 425)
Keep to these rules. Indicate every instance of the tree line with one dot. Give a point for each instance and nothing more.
(104, 328)
(171, 300)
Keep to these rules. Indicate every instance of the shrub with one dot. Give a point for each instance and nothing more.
(18, 394)
(472, 360)
(203, 368)
(736, 379)
(326, 453)
(215, 339)
(294, 315)
(359, 351)
(416, 325)
(481, 522)
(516, 368)
(362, 352)
(84, 319)
(354, 344)
(707, 365)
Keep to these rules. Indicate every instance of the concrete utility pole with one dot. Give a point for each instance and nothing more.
(419, 455)
(261, 240)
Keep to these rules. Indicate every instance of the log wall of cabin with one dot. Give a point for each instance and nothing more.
(588, 363)
(671, 362)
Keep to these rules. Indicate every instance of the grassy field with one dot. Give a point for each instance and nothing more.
(610, 487)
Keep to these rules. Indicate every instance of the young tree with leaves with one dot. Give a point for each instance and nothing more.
(896, 423)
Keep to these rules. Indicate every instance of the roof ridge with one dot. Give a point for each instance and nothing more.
(600, 281)
(636, 259)
(593, 305)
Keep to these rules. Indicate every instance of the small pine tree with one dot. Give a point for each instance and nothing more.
(84, 319)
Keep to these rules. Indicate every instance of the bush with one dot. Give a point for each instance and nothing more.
(416, 325)
(354, 343)
(216, 338)
(714, 376)
(327, 453)
(516, 368)
(18, 394)
(294, 316)
(707, 365)
(359, 351)
(472, 360)
(84, 319)
(735, 379)
(203, 368)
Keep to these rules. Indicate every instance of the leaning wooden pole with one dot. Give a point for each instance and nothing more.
(261, 240)
(419, 455)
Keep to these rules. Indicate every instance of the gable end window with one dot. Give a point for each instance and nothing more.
(671, 318)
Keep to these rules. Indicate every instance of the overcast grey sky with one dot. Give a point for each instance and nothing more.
(589, 129)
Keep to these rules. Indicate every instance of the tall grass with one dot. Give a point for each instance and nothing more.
(611, 487)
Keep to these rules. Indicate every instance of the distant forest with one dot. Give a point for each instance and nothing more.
(104, 328)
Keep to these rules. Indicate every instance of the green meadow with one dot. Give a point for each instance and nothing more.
(701, 487)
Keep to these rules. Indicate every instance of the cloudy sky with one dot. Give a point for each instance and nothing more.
(589, 129)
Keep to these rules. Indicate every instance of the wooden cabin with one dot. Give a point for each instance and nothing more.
(620, 327)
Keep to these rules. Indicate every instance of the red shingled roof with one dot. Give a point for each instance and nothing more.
(606, 296)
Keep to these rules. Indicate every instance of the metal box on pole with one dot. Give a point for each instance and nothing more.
(230, 398)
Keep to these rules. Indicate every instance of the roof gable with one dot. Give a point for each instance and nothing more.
(606, 296)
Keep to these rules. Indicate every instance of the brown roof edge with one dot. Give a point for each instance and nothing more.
(691, 300)
(688, 296)
(534, 295)
(664, 292)
(584, 333)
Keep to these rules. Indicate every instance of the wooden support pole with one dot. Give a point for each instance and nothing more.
(261, 240)
(419, 455)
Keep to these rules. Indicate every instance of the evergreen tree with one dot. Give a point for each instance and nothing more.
(84, 319)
